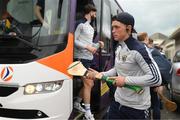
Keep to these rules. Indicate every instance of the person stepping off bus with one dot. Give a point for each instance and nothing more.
(84, 50)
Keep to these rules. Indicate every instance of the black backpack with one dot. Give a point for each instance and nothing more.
(164, 65)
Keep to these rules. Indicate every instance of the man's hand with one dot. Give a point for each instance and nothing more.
(119, 81)
(91, 49)
(93, 74)
(159, 89)
(12, 34)
(45, 25)
(101, 43)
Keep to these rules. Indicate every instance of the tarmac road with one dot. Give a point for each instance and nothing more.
(167, 115)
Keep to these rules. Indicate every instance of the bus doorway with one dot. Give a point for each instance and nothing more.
(100, 95)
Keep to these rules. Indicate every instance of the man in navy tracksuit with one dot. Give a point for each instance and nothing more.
(133, 66)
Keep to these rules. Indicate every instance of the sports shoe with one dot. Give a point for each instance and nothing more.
(78, 106)
(89, 117)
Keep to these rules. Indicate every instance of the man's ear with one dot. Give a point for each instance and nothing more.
(129, 29)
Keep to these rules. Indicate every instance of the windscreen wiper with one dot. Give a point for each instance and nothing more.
(28, 43)
(59, 8)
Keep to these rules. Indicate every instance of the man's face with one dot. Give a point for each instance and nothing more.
(119, 31)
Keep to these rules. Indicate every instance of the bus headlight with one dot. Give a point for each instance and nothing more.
(30, 89)
(39, 88)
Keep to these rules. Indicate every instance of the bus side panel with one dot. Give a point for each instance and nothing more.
(61, 60)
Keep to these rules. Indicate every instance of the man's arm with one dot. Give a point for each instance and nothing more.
(110, 73)
(77, 33)
(37, 10)
(80, 44)
(151, 77)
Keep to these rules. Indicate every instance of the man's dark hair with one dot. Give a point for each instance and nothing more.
(88, 8)
(125, 18)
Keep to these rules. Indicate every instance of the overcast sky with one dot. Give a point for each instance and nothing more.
(154, 16)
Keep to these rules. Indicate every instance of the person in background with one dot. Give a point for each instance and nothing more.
(5, 20)
(133, 66)
(4, 11)
(155, 100)
(160, 50)
(84, 50)
(39, 12)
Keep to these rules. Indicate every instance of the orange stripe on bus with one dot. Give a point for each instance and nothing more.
(11, 68)
(9, 78)
(2, 73)
(60, 61)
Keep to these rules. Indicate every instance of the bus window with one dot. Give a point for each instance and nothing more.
(98, 14)
(115, 8)
(29, 39)
(57, 25)
(106, 25)
(21, 10)
(52, 17)
(17, 11)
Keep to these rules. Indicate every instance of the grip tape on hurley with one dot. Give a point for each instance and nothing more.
(135, 88)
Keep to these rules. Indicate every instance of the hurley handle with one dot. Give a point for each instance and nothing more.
(137, 89)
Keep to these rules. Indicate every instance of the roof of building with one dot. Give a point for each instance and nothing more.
(176, 34)
(159, 38)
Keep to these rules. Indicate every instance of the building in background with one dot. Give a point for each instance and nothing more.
(165, 43)
(176, 37)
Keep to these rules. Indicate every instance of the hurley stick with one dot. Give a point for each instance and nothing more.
(135, 88)
(171, 106)
(77, 69)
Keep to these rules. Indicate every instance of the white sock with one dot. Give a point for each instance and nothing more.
(88, 109)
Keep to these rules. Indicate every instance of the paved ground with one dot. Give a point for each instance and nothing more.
(167, 115)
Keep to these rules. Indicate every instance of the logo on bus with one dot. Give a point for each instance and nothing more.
(6, 73)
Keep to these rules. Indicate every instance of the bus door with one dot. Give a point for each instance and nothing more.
(102, 62)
